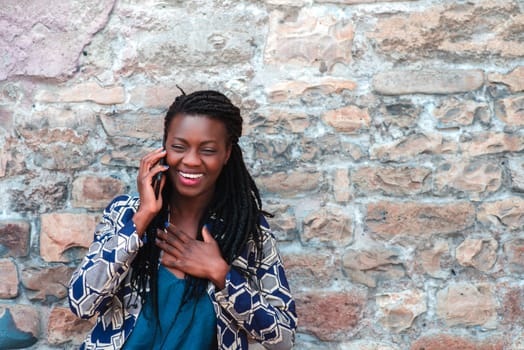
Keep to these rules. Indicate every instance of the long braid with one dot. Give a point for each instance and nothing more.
(235, 208)
(145, 265)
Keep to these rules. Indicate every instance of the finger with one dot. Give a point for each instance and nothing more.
(147, 162)
(168, 248)
(170, 262)
(179, 234)
(145, 175)
(171, 240)
(152, 155)
(206, 235)
(157, 178)
(170, 228)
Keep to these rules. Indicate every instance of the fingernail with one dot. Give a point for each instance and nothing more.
(166, 224)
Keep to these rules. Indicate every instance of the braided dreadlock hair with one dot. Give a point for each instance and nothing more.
(236, 205)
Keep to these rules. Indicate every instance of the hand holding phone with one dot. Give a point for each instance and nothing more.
(157, 178)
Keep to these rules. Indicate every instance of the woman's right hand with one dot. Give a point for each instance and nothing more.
(150, 205)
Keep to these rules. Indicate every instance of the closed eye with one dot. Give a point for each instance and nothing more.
(208, 151)
(178, 148)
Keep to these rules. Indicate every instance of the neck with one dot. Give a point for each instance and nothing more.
(190, 209)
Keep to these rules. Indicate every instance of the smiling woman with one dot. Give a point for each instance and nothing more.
(197, 148)
(196, 267)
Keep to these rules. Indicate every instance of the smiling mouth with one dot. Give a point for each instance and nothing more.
(190, 176)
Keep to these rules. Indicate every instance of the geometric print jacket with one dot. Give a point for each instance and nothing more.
(259, 310)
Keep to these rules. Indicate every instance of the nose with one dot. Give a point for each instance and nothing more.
(192, 158)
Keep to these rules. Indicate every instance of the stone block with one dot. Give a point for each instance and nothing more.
(404, 82)
(47, 40)
(275, 121)
(491, 143)
(19, 326)
(401, 113)
(324, 147)
(392, 181)
(311, 269)
(9, 285)
(505, 213)
(514, 255)
(348, 120)
(227, 35)
(411, 146)
(307, 90)
(476, 179)
(330, 315)
(453, 113)
(468, 304)
(514, 79)
(331, 226)
(367, 344)
(284, 223)
(292, 183)
(516, 171)
(371, 265)
(398, 310)
(48, 191)
(95, 192)
(309, 40)
(342, 186)
(478, 253)
(64, 326)
(512, 298)
(419, 220)
(46, 284)
(511, 111)
(61, 231)
(453, 30)
(449, 341)
(83, 92)
(14, 238)
(431, 259)
(159, 96)
(355, 2)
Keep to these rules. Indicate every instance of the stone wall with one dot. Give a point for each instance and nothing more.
(386, 136)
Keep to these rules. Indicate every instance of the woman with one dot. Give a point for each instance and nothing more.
(195, 267)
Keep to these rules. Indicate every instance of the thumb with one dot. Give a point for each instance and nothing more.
(206, 235)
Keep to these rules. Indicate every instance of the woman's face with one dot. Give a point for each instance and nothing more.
(197, 150)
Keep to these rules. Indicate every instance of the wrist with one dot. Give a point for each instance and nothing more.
(218, 277)
(141, 221)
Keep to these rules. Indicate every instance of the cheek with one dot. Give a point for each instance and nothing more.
(216, 166)
(172, 158)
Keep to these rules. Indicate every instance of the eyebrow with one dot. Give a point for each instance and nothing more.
(185, 141)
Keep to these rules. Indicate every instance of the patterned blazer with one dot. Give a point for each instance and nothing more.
(260, 309)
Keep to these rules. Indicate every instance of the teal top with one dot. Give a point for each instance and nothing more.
(191, 326)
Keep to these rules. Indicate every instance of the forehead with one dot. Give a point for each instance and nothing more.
(196, 126)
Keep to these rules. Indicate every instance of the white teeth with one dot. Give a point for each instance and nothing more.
(191, 176)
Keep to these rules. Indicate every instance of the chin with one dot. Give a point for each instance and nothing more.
(189, 192)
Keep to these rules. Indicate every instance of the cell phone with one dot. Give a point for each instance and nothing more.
(157, 178)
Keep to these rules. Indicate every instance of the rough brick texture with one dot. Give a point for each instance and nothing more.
(386, 136)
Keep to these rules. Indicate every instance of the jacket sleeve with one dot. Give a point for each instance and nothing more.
(267, 311)
(115, 244)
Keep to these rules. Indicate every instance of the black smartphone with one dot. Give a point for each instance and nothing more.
(157, 178)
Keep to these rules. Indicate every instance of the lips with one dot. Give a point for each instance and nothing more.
(189, 179)
(191, 176)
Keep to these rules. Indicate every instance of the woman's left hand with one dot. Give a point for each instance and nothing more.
(198, 258)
